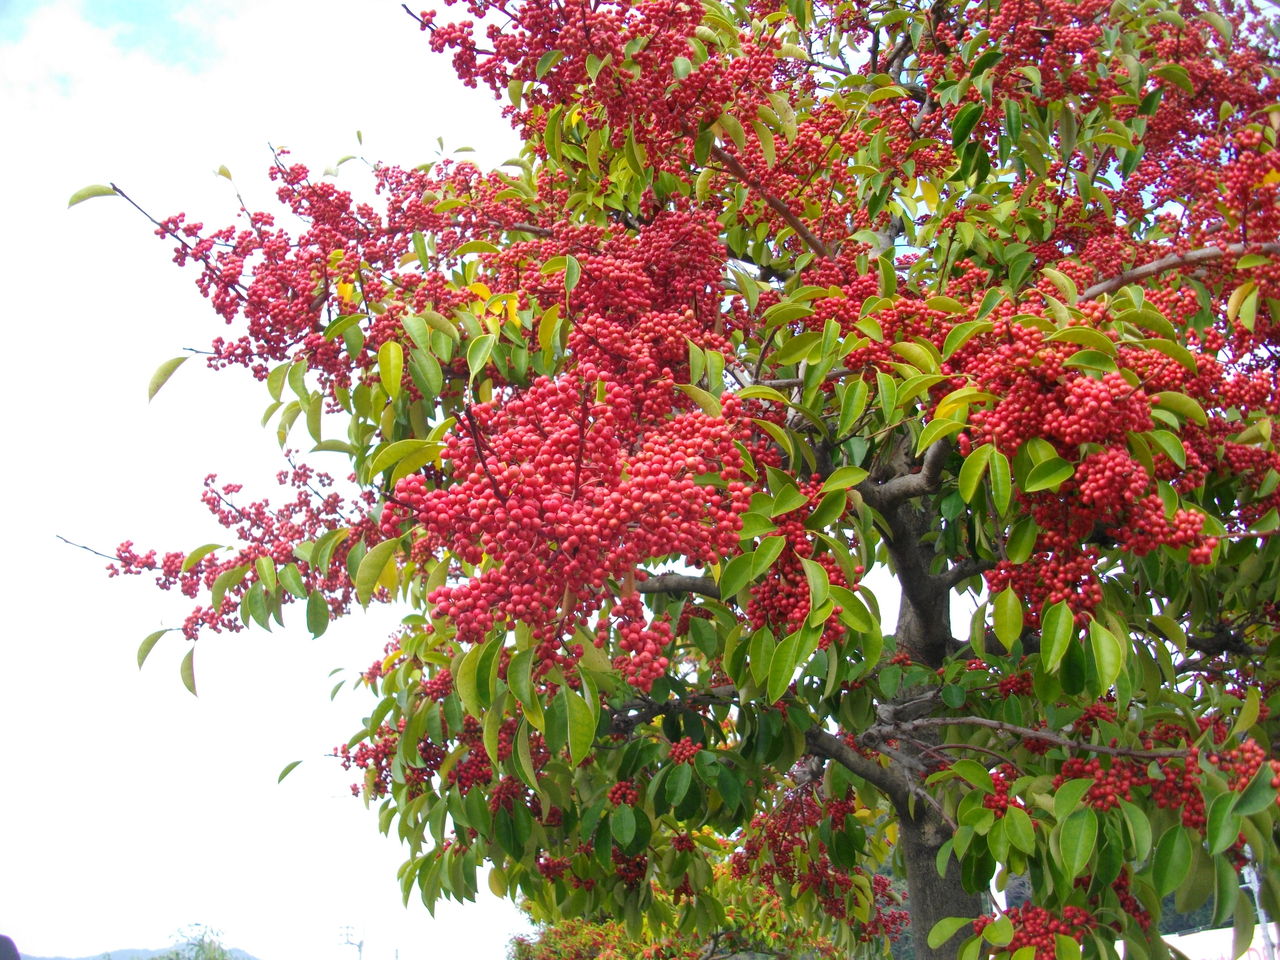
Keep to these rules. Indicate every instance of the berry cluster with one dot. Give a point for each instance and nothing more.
(1036, 927)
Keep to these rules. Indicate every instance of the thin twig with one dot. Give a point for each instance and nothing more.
(96, 553)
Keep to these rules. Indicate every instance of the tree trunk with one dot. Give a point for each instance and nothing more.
(931, 897)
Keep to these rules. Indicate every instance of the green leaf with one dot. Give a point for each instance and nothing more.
(1008, 616)
(1066, 799)
(1021, 832)
(735, 575)
(288, 769)
(391, 367)
(1057, 629)
(828, 511)
(967, 118)
(317, 613)
(226, 580)
(93, 190)
(1078, 838)
(162, 375)
(572, 273)
(478, 352)
(934, 431)
(973, 470)
(372, 565)
(1022, 540)
(475, 246)
(769, 550)
(1245, 920)
(819, 583)
(1185, 407)
(1048, 475)
(946, 928)
(1248, 714)
(785, 312)
(962, 333)
(189, 671)
(582, 727)
(844, 477)
(1223, 823)
(198, 554)
(707, 402)
(1001, 481)
(1108, 654)
(1258, 795)
(1172, 860)
(975, 773)
(782, 667)
(147, 645)
(622, 823)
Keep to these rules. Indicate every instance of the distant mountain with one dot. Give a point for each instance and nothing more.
(134, 955)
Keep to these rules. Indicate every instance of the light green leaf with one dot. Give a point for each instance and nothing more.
(288, 769)
(1008, 616)
(582, 727)
(1001, 481)
(391, 367)
(478, 353)
(1048, 475)
(946, 928)
(973, 469)
(1108, 654)
(317, 613)
(843, 478)
(198, 554)
(94, 190)
(162, 375)
(189, 671)
(371, 568)
(144, 650)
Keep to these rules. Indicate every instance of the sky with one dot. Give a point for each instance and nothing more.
(128, 808)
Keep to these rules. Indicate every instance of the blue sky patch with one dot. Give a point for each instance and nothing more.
(154, 27)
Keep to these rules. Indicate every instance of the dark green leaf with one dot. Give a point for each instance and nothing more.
(1172, 860)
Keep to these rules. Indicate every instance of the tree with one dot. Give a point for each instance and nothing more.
(198, 943)
(756, 927)
(778, 295)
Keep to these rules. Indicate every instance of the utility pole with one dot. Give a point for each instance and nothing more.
(347, 941)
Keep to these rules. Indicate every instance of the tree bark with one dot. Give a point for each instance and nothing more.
(931, 897)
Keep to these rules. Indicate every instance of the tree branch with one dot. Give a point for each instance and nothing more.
(1191, 258)
(732, 164)
(824, 744)
(904, 487)
(785, 382)
(891, 731)
(966, 568)
(679, 583)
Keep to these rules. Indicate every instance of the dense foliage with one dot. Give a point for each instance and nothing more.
(985, 295)
(755, 927)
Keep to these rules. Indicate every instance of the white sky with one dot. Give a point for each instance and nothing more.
(128, 808)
